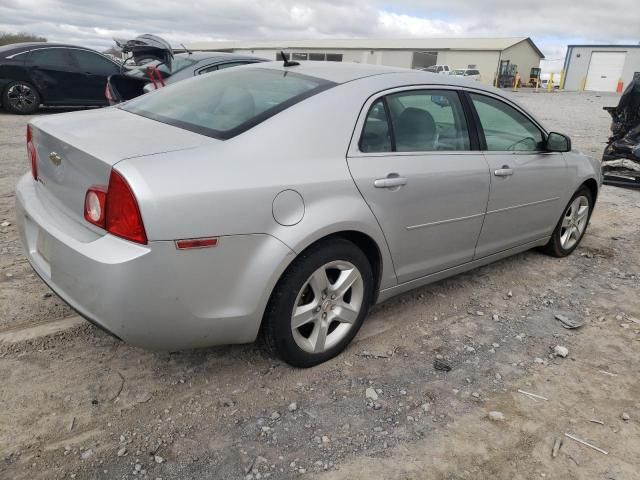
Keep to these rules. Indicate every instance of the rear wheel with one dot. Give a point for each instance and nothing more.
(572, 225)
(21, 98)
(319, 303)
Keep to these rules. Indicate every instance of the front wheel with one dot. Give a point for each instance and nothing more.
(21, 98)
(319, 303)
(572, 225)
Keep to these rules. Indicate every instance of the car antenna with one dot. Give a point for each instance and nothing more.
(186, 49)
(287, 62)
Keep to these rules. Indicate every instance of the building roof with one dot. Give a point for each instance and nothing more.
(501, 43)
(603, 45)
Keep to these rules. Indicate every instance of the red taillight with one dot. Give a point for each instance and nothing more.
(115, 209)
(31, 153)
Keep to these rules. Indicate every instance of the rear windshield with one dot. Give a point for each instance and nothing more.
(227, 103)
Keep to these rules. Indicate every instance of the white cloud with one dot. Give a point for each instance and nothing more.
(551, 23)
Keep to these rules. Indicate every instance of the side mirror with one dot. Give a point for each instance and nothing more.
(557, 142)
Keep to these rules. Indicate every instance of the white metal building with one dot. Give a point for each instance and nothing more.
(600, 68)
(484, 54)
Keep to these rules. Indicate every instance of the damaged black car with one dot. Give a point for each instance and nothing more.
(621, 158)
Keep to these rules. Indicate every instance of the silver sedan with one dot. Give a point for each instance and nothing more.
(285, 200)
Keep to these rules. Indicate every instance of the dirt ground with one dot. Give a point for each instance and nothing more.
(76, 403)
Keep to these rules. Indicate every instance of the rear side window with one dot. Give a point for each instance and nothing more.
(51, 57)
(505, 128)
(376, 134)
(90, 62)
(229, 103)
(420, 121)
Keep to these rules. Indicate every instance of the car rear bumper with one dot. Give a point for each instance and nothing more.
(154, 295)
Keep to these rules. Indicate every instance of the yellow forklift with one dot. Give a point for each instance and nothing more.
(534, 77)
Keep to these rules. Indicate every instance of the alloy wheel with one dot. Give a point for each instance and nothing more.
(574, 222)
(21, 96)
(327, 306)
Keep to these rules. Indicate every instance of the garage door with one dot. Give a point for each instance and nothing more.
(605, 70)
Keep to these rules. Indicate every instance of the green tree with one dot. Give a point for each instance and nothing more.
(7, 38)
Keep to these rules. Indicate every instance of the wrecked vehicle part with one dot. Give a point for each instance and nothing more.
(146, 48)
(621, 157)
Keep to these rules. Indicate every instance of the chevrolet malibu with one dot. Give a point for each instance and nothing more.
(285, 200)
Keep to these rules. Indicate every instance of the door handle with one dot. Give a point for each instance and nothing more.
(505, 171)
(390, 182)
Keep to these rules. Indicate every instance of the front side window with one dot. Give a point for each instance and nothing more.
(505, 128)
(228, 103)
(51, 57)
(90, 62)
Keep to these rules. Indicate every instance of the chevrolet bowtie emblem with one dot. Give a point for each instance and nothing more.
(55, 158)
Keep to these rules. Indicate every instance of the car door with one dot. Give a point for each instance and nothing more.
(94, 70)
(527, 183)
(416, 163)
(53, 73)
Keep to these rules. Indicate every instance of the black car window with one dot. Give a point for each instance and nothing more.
(228, 103)
(51, 57)
(90, 62)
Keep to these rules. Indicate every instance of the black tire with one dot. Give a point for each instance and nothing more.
(21, 98)
(554, 247)
(276, 326)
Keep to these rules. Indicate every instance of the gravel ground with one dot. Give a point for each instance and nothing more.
(77, 403)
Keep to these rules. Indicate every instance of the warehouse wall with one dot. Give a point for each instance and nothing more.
(578, 66)
(524, 56)
(485, 61)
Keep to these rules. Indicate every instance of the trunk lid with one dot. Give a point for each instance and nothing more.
(77, 150)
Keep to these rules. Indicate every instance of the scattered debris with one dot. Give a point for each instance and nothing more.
(556, 447)
(119, 391)
(496, 416)
(568, 323)
(442, 365)
(122, 452)
(72, 423)
(293, 406)
(5, 224)
(367, 354)
(572, 437)
(608, 373)
(595, 420)
(560, 351)
(625, 416)
(533, 395)
(87, 454)
(143, 397)
(371, 394)
(158, 459)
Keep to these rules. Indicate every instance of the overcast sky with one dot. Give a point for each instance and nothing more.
(552, 24)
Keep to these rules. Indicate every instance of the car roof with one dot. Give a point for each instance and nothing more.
(15, 48)
(338, 72)
(342, 72)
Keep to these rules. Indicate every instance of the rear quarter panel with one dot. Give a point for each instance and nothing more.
(228, 188)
